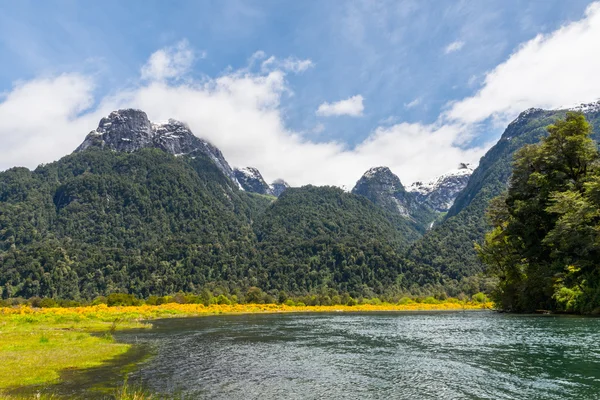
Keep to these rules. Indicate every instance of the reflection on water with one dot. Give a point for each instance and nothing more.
(473, 355)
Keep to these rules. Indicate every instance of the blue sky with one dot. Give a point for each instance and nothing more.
(407, 61)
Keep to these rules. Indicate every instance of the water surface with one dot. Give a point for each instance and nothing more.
(457, 355)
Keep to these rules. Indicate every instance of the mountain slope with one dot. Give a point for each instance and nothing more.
(448, 248)
(129, 130)
(384, 188)
(441, 192)
(101, 221)
(317, 237)
(138, 216)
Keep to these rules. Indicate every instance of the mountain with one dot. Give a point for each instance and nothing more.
(143, 222)
(149, 208)
(317, 237)
(448, 248)
(383, 188)
(251, 180)
(130, 130)
(278, 187)
(441, 192)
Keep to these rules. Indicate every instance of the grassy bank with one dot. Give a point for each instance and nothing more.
(38, 344)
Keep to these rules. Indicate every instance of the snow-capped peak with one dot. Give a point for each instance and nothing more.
(464, 169)
(250, 172)
(584, 107)
(441, 192)
(376, 170)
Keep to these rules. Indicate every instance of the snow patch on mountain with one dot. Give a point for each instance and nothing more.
(440, 193)
(585, 108)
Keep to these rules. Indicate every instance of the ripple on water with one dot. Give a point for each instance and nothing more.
(475, 355)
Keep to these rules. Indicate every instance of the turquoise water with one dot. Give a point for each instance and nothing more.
(458, 355)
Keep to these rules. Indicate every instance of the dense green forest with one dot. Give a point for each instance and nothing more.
(545, 244)
(320, 237)
(149, 223)
(446, 253)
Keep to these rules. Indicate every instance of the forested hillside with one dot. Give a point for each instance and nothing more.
(318, 237)
(447, 250)
(100, 221)
(147, 222)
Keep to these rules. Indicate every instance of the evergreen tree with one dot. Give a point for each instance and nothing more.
(545, 228)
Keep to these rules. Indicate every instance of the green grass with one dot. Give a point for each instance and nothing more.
(34, 353)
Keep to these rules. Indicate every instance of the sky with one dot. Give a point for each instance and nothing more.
(314, 92)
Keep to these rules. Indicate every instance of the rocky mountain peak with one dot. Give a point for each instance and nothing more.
(382, 177)
(129, 130)
(278, 187)
(383, 187)
(440, 193)
(123, 130)
(586, 108)
(251, 180)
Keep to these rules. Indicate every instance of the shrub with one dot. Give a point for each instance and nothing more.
(122, 299)
(48, 303)
(282, 297)
(68, 303)
(222, 299)
(99, 300)
(405, 300)
(35, 302)
(193, 299)
(479, 298)
(179, 298)
(254, 295)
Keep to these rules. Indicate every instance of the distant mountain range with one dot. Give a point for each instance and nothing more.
(150, 208)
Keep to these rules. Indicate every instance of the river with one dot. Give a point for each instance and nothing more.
(437, 355)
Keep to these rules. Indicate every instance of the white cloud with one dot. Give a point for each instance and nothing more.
(169, 62)
(239, 112)
(39, 119)
(413, 103)
(296, 65)
(319, 128)
(352, 106)
(454, 46)
(548, 71)
(291, 64)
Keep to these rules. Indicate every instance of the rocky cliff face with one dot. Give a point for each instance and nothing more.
(130, 130)
(251, 180)
(383, 188)
(279, 186)
(441, 192)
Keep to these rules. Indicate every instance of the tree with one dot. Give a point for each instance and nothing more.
(545, 237)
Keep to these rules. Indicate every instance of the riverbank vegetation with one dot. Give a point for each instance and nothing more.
(545, 243)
